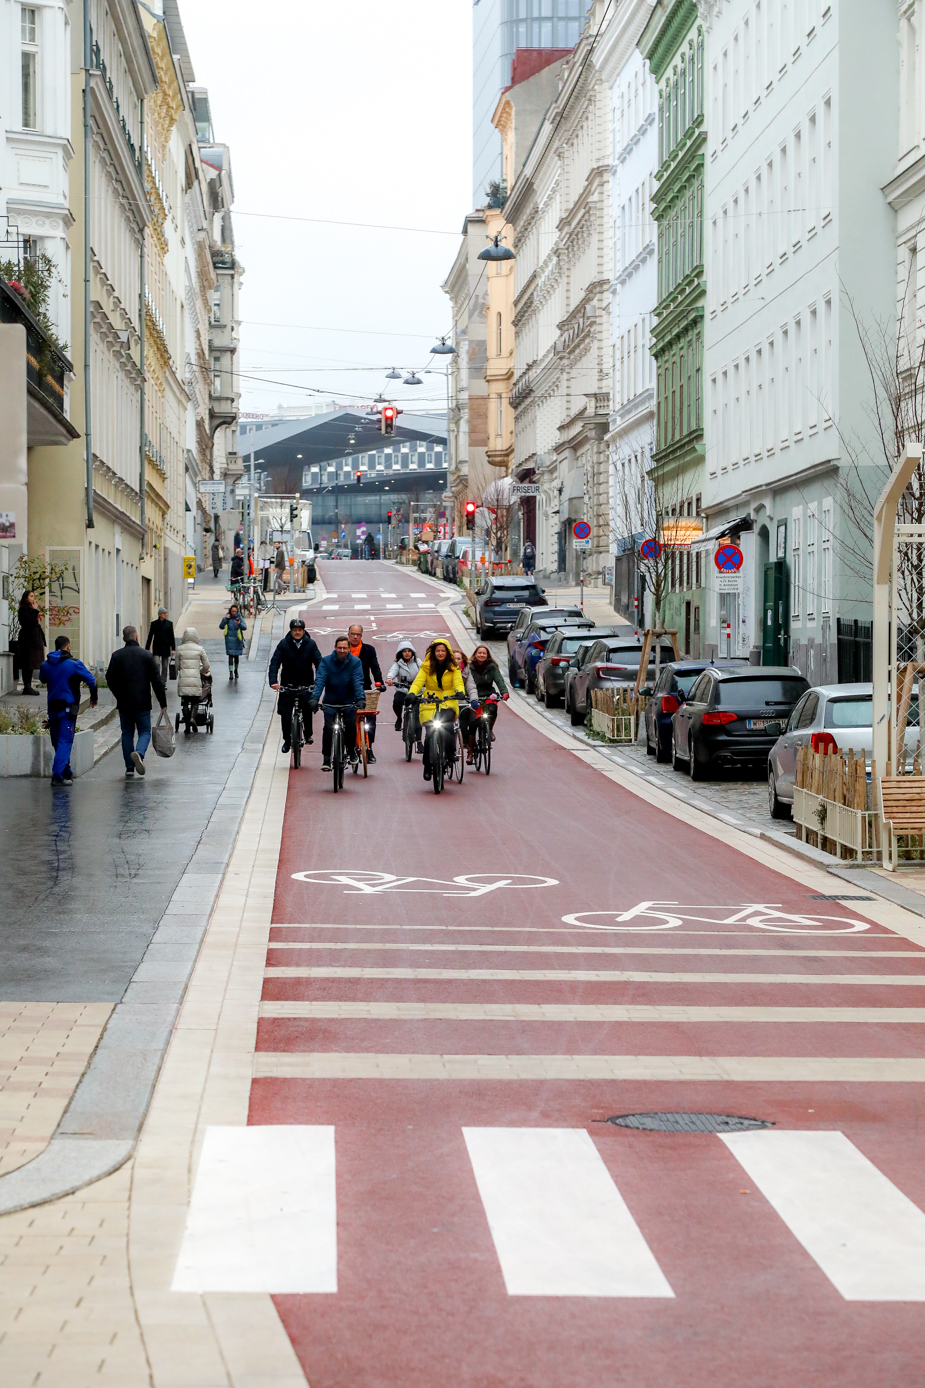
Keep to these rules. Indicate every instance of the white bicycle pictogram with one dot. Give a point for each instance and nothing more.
(670, 915)
(377, 883)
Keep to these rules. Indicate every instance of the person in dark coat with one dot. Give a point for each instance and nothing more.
(216, 558)
(131, 676)
(372, 675)
(63, 674)
(340, 680)
(294, 663)
(30, 646)
(237, 566)
(161, 641)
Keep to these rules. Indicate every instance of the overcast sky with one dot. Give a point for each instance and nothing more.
(359, 112)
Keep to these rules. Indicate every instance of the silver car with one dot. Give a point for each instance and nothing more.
(831, 715)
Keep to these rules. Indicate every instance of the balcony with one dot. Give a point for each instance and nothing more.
(46, 369)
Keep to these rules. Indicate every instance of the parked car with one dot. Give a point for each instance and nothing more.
(461, 551)
(831, 715)
(529, 614)
(500, 600)
(532, 642)
(733, 717)
(674, 683)
(554, 660)
(607, 664)
(437, 551)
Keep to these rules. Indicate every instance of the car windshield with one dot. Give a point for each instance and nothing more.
(525, 595)
(571, 644)
(685, 681)
(758, 693)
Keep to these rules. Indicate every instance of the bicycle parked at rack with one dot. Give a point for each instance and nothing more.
(482, 749)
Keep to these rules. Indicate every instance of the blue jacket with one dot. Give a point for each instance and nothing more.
(63, 675)
(340, 681)
(234, 629)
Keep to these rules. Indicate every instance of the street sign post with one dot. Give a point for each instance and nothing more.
(650, 549)
(728, 559)
(581, 535)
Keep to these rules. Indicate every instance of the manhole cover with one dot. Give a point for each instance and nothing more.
(687, 1122)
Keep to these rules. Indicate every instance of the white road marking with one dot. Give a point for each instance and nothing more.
(427, 604)
(388, 595)
(559, 1224)
(334, 608)
(263, 1214)
(586, 1012)
(589, 975)
(394, 606)
(359, 595)
(362, 606)
(410, 947)
(867, 1237)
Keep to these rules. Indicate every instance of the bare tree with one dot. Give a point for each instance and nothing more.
(645, 503)
(497, 510)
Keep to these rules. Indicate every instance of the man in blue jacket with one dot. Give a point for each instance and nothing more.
(64, 675)
(340, 680)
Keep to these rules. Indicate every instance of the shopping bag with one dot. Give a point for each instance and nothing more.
(163, 738)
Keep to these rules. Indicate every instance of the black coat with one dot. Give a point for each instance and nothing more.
(237, 565)
(131, 676)
(370, 662)
(295, 665)
(31, 646)
(161, 639)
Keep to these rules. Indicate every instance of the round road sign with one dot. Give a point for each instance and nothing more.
(581, 530)
(650, 549)
(728, 559)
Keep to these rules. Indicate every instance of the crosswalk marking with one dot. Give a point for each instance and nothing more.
(559, 1224)
(365, 1065)
(590, 976)
(334, 607)
(867, 1237)
(394, 606)
(427, 604)
(585, 1012)
(388, 595)
(263, 1214)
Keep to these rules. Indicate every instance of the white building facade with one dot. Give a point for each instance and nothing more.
(633, 289)
(800, 253)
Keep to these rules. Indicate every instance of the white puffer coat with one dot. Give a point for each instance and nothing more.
(192, 664)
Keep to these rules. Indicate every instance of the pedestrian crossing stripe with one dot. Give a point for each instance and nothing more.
(263, 1213)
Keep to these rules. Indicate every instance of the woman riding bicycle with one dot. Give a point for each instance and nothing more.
(440, 677)
(401, 676)
(486, 677)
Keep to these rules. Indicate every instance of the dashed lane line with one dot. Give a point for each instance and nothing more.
(566, 930)
(593, 976)
(410, 948)
(585, 1012)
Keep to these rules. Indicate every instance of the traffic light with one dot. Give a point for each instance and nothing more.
(471, 509)
(388, 419)
(359, 476)
(293, 512)
(388, 516)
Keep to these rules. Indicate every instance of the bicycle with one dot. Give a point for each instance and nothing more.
(410, 728)
(363, 744)
(296, 727)
(339, 742)
(483, 736)
(446, 742)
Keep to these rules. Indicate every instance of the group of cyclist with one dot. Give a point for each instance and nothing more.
(443, 679)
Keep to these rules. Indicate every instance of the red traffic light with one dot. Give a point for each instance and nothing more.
(389, 517)
(471, 508)
(387, 424)
(358, 476)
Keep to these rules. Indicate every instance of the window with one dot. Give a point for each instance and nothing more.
(498, 348)
(786, 411)
(796, 220)
(797, 378)
(811, 562)
(216, 375)
(500, 415)
(796, 562)
(813, 402)
(812, 174)
(825, 594)
(827, 403)
(827, 170)
(217, 304)
(30, 60)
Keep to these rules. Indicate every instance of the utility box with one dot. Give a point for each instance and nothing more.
(775, 617)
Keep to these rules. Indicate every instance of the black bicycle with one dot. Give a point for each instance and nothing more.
(410, 727)
(339, 741)
(296, 726)
(445, 750)
(483, 722)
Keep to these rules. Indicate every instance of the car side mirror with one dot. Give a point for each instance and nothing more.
(543, 592)
(646, 690)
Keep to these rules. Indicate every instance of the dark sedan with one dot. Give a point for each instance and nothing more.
(675, 681)
(553, 663)
(500, 601)
(532, 614)
(606, 665)
(532, 643)
(733, 717)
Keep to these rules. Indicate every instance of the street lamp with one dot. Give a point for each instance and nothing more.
(496, 251)
(393, 375)
(443, 349)
(412, 380)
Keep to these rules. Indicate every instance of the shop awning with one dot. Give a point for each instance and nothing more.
(730, 529)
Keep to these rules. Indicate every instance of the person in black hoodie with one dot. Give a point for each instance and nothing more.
(294, 663)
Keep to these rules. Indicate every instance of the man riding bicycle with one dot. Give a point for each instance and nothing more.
(293, 664)
(440, 677)
(340, 680)
(372, 677)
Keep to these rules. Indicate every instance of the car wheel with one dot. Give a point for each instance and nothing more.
(697, 771)
(662, 753)
(650, 750)
(551, 700)
(677, 761)
(575, 718)
(512, 676)
(776, 807)
(530, 683)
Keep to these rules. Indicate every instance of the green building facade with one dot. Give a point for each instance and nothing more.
(673, 43)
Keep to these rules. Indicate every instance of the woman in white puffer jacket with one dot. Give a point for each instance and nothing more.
(192, 665)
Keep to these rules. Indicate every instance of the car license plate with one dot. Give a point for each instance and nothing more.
(756, 725)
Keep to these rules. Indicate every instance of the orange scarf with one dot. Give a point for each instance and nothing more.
(355, 650)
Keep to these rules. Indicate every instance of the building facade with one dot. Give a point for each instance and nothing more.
(801, 256)
(673, 42)
(469, 470)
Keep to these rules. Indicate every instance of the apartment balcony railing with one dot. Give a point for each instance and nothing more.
(46, 364)
(96, 58)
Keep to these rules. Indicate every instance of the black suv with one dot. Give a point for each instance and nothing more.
(499, 602)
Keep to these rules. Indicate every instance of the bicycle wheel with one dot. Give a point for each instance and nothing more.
(337, 758)
(409, 739)
(295, 736)
(460, 757)
(486, 748)
(363, 746)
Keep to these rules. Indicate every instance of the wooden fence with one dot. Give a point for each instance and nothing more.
(833, 803)
(615, 713)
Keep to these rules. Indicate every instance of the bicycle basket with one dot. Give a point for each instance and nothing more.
(372, 700)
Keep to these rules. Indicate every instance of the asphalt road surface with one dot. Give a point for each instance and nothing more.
(462, 989)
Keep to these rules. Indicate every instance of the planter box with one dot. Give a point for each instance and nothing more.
(614, 728)
(856, 831)
(31, 754)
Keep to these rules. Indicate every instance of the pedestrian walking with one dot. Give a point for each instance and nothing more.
(64, 674)
(161, 642)
(279, 564)
(217, 557)
(234, 627)
(237, 566)
(528, 558)
(30, 646)
(265, 564)
(192, 666)
(372, 675)
(131, 675)
(294, 663)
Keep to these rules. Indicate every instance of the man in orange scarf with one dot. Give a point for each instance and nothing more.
(372, 675)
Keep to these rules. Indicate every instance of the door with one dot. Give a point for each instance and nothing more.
(775, 615)
(687, 628)
(695, 649)
(797, 733)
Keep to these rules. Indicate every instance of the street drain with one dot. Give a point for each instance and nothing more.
(835, 896)
(687, 1122)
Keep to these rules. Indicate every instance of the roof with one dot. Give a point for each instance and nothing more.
(832, 691)
(760, 671)
(514, 581)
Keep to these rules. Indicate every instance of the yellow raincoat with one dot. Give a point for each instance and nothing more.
(426, 683)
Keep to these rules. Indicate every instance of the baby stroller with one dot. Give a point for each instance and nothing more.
(196, 711)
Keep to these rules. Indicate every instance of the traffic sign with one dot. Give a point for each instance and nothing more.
(650, 549)
(525, 489)
(728, 559)
(581, 530)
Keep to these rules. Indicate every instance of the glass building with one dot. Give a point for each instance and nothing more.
(499, 27)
